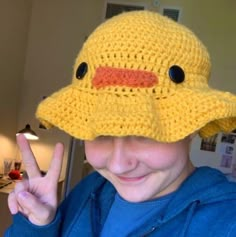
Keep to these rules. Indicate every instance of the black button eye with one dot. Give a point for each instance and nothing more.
(81, 70)
(176, 74)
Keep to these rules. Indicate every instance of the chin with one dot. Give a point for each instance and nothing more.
(133, 197)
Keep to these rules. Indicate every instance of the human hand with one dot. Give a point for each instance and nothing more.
(36, 197)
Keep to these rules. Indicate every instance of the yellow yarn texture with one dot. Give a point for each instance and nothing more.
(140, 73)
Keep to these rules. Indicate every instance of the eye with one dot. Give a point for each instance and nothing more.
(81, 70)
(176, 74)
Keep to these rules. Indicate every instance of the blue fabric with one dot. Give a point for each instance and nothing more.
(124, 216)
(204, 205)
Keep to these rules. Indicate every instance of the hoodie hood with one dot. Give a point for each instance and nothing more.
(204, 186)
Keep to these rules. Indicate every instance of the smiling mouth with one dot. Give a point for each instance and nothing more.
(131, 179)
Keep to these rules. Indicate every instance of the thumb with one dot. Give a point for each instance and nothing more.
(37, 212)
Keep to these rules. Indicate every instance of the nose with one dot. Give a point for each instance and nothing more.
(121, 160)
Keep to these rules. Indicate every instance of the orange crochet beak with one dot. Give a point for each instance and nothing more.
(108, 76)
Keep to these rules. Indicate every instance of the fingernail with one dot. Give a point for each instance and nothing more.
(13, 210)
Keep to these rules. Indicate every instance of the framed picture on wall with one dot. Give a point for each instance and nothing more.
(113, 8)
(174, 13)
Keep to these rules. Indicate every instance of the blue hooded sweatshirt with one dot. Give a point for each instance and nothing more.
(204, 205)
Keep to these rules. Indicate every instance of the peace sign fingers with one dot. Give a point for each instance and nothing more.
(36, 197)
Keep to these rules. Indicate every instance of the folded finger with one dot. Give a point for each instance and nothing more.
(37, 212)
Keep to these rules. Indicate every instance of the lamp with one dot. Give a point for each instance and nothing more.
(28, 132)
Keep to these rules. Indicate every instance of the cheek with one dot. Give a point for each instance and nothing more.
(163, 158)
(95, 156)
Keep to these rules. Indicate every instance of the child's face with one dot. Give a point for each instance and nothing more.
(140, 168)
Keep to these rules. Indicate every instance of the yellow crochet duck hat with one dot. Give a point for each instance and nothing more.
(140, 73)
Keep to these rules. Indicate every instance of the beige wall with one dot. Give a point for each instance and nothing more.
(14, 24)
(56, 33)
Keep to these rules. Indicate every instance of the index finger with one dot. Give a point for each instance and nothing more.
(28, 158)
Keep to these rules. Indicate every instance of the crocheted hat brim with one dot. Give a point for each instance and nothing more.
(86, 116)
